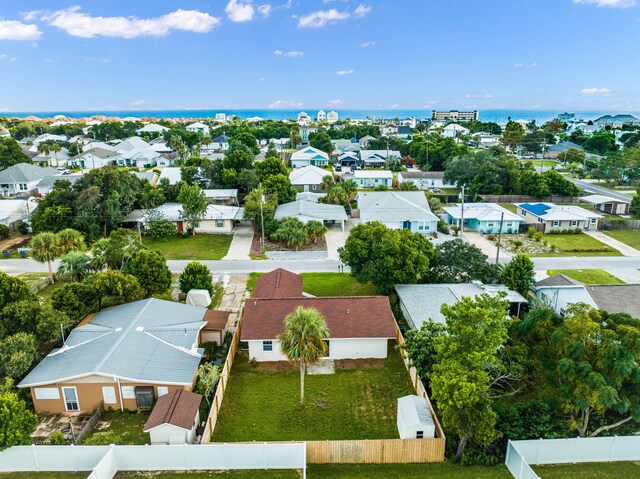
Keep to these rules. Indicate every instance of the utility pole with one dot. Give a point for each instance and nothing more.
(499, 237)
(462, 215)
(261, 220)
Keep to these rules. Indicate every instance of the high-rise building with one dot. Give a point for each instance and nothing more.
(454, 115)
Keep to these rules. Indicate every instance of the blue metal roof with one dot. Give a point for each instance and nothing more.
(538, 209)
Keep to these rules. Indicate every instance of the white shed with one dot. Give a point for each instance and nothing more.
(414, 418)
(175, 418)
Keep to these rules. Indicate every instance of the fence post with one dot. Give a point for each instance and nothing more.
(573, 455)
(75, 457)
(304, 468)
(35, 457)
(521, 466)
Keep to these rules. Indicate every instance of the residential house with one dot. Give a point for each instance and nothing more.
(322, 116)
(558, 217)
(172, 174)
(308, 178)
(425, 180)
(342, 145)
(96, 157)
(404, 132)
(388, 130)
(140, 158)
(221, 117)
(364, 141)
(617, 121)
(53, 158)
(217, 219)
(4, 133)
(453, 130)
(220, 142)
(307, 211)
(308, 196)
(554, 150)
(360, 327)
(198, 127)
(175, 418)
(483, 218)
(152, 129)
(332, 117)
(22, 178)
(45, 185)
(222, 197)
(420, 302)
(167, 159)
(373, 178)
(49, 137)
(149, 176)
(411, 122)
(304, 119)
(305, 132)
(559, 292)
(607, 204)
(377, 158)
(349, 158)
(398, 210)
(12, 212)
(309, 156)
(124, 357)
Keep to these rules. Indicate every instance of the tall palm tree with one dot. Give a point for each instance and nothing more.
(303, 340)
(44, 249)
(70, 240)
(351, 187)
(45, 149)
(76, 265)
(327, 182)
(55, 149)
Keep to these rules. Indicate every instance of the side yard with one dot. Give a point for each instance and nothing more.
(119, 427)
(198, 247)
(578, 245)
(588, 276)
(628, 237)
(326, 284)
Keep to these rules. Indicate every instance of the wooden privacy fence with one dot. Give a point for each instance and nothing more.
(376, 451)
(216, 404)
(567, 200)
(619, 224)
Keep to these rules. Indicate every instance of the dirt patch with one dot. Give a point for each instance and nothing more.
(273, 366)
(321, 245)
(15, 242)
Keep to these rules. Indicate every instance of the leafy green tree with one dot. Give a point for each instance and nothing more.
(114, 251)
(208, 378)
(572, 155)
(393, 163)
(248, 180)
(17, 422)
(151, 270)
(468, 365)
(51, 218)
(70, 240)
(337, 195)
(11, 153)
(5, 232)
(303, 340)
(272, 151)
(280, 188)
(248, 140)
(635, 203)
(558, 184)
(194, 205)
(17, 353)
(420, 347)
(327, 183)
(76, 300)
(321, 141)
(75, 265)
(457, 261)
(32, 317)
(12, 290)
(238, 160)
(162, 229)
(292, 232)
(116, 287)
(519, 274)
(45, 248)
(195, 276)
(513, 135)
(386, 257)
(601, 143)
(258, 206)
(271, 166)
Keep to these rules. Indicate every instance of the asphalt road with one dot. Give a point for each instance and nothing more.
(599, 190)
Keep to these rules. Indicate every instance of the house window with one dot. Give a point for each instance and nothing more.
(539, 220)
(419, 434)
(556, 223)
(22, 187)
(244, 345)
(594, 221)
(219, 223)
(70, 399)
(267, 345)
(420, 226)
(490, 225)
(523, 212)
(574, 223)
(562, 312)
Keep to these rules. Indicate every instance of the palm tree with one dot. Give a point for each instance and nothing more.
(303, 340)
(56, 148)
(327, 182)
(45, 249)
(70, 240)
(76, 265)
(45, 149)
(351, 187)
(315, 230)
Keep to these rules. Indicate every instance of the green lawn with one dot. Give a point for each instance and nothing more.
(509, 206)
(44, 475)
(537, 163)
(196, 247)
(123, 427)
(252, 474)
(588, 276)
(578, 245)
(326, 284)
(355, 403)
(600, 470)
(46, 292)
(628, 237)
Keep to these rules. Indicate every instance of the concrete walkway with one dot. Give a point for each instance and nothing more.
(487, 247)
(241, 242)
(234, 296)
(625, 249)
(336, 238)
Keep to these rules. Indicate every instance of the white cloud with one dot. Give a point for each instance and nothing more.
(137, 103)
(336, 103)
(596, 92)
(607, 3)
(79, 24)
(321, 18)
(368, 44)
(394, 106)
(285, 104)
(265, 10)
(342, 73)
(478, 95)
(526, 65)
(430, 103)
(30, 15)
(262, 78)
(4, 56)
(291, 54)
(239, 12)
(15, 30)
(362, 10)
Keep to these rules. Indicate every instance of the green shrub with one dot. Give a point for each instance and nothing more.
(162, 229)
(531, 232)
(4, 232)
(196, 276)
(102, 439)
(57, 439)
(443, 227)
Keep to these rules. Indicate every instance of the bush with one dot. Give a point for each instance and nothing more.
(531, 232)
(491, 237)
(23, 228)
(196, 276)
(57, 439)
(381, 188)
(76, 300)
(151, 270)
(162, 229)
(443, 227)
(103, 439)
(4, 232)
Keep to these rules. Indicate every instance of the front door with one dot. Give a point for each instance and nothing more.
(180, 226)
(306, 188)
(406, 225)
(70, 399)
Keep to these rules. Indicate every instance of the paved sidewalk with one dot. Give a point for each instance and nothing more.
(235, 294)
(487, 246)
(241, 243)
(625, 249)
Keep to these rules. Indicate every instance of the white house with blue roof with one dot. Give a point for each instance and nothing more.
(558, 217)
(309, 156)
(484, 218)
(125, 357)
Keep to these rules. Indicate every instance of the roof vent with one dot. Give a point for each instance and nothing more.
(139, 329)
(117, 330)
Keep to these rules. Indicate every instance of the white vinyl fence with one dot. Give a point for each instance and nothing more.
(105, 461)
(520, 454)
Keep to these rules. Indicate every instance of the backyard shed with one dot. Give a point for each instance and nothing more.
(174, 418)
(414, 418)
(216, 327)
(607, 204)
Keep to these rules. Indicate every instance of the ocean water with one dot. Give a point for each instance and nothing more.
(498, 115)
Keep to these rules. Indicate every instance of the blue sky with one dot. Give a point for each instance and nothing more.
(343, 54)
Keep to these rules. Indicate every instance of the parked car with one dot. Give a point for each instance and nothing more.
(338, 168)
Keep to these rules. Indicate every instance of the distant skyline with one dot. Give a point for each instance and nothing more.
(312, 54)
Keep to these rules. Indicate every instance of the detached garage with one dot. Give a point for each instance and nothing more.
(174, 418)
(414, 418)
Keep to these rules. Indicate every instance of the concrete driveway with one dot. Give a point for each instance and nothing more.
(625, 249)
(241, 243)
(487, 246)
(336, 238)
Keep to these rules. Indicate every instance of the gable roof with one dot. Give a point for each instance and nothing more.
(601, 199)
(394, 206)
(25, 173)
(309, 153)
(482, 212)
(564, 146)
(178, 408)
(173, 212)
(374, 174)
(552, 212)
(421, 174)
(220, 139)
(616, 298)
(308, 175)
(149, 341)
(49, 181)
(414, 411)
(558, 279)
(345, 316)
(310, 210)
(278, 283)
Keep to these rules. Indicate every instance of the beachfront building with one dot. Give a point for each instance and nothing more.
(454, 115)
(332, 117)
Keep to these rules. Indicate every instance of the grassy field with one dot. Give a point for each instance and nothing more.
(588, 276)
(326, 284)
(357, 403)
(192, 248)
(578, 245)
(613, 470)
(628, 237)
(122, 428)
(510, 207)
(44, 475)
(253, 474)
(537, 163)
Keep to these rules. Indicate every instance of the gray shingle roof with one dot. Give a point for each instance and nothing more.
(48, 181)
(616, 298)
(151, 341)
(24, 173)
(557, 280)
